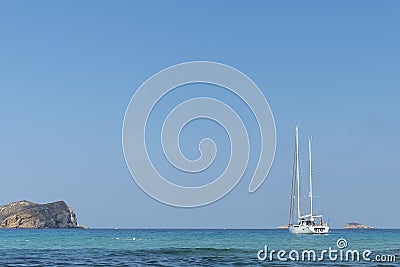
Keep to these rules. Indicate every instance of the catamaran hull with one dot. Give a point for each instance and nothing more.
(302, 229)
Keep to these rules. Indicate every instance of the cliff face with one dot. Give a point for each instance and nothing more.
(25, 214)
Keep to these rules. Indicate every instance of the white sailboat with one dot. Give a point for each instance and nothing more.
(307, 223)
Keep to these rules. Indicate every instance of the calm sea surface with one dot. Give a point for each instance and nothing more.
(109, 247)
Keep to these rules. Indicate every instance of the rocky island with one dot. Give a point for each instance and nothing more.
(26, 214)
(354, 225)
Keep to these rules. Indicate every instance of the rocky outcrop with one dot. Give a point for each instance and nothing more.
(354, 225)
(25, 214)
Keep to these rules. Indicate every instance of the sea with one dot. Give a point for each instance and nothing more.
(177, 247)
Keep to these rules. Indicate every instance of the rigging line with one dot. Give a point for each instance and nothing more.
(291, 214)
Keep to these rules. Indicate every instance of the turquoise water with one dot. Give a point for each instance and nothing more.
(130, 247)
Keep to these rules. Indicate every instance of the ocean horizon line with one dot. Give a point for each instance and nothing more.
(189, 228)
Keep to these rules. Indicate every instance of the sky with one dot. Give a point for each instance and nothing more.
(69, 69)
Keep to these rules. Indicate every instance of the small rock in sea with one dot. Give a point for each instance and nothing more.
(354, 225)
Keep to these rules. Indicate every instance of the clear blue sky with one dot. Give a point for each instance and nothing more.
(69, 69)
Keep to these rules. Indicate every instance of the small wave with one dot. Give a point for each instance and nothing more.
(127, 239)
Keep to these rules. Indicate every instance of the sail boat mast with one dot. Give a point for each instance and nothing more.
(306, 223)
(311, 191)
(298, 173)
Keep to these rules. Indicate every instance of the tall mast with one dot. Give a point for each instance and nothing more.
(298, 173)
(311, 192)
